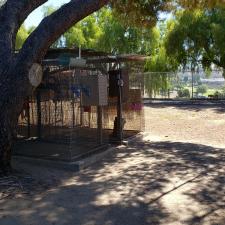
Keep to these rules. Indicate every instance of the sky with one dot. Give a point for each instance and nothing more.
(36, 16)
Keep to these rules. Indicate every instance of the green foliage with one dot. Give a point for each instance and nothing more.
(118, 38)
(85, 34)
(22, 35)
(147, 12)
(160, 67)
(48, 10)
(197, 37)
(103, 31)
(183, 93)
(193, 4)
(161, 62)
(156, 83)
(140, 13)
(202, 89)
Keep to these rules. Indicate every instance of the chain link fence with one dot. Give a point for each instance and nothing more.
(184, 85)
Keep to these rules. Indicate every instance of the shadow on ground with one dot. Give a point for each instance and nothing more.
(145, 183)
(217, 107)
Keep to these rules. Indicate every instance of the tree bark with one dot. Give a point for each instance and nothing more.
(13, 91)
(14, 82)
(12, 15)
(5, 144)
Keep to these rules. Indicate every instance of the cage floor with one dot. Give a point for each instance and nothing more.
(66, 145)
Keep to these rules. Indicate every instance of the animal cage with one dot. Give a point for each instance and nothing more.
(71, 114)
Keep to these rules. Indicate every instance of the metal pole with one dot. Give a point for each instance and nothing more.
(28, 117)
(39, 113)
(99, 132)
(73, 112)
(62, 116)
(81, 110)
(55, 117)
(119, 108)
(192, 86)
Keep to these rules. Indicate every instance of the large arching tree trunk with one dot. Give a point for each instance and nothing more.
(12, 92)
(14, 87)
(14, 68)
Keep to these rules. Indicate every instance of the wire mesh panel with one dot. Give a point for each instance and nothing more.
(56, 122)
(184, 85)
(60, 127)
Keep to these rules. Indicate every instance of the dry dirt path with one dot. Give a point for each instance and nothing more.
(170, 177)
(200, 124)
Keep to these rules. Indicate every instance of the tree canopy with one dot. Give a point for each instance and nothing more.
(197, 37)
(104, 31)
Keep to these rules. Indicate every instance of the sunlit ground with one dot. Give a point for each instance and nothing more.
(170, 177)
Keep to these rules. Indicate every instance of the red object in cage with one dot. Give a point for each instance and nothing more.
(136, 106)
(87, 109)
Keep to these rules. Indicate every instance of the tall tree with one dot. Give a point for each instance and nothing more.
(197, 37)
(159, 68)
(117, 37)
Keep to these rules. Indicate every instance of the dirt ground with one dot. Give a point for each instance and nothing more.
(194, 123)
(173, 176)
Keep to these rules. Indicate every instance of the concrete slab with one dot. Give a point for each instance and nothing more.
(80, 163)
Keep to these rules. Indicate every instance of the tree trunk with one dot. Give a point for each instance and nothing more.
(13, 92)
(5, 144)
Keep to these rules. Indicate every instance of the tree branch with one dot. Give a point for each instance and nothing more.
(12, 15)
(55, 25)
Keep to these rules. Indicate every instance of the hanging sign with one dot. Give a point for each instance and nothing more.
(35, 74)
(77, 62)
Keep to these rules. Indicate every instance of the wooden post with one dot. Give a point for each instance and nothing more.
(99, 131)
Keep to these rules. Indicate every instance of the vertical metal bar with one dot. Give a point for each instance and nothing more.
(119, 109)
(62, 116)
(192, 85)
(49, 113)
(55, 117)
(28, 117)
(73, 112)
(81, 110)
(89, 118)
(32, 111)
(39, 114)
(45, 113)
(99, 129)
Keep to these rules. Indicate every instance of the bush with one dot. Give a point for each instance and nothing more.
(202, 89)
(184, 93)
